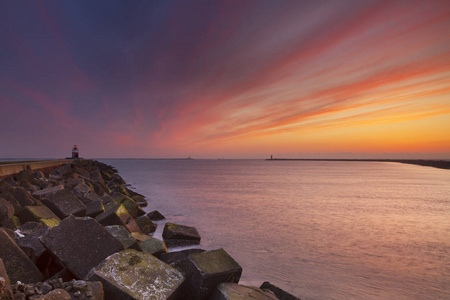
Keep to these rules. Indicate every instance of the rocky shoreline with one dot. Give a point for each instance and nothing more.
(78, 232)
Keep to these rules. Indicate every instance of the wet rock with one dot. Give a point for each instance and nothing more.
(180, 235)
(146, 225)
(117, 215)
(153, 246)
(208, 269)
(173, 257)
(50, 190)
(136, 275)
(94, 208)
(6, 210)
(39, 214)
(64, 203)
(155, 216)
(124, 236)
(80, 244)
(6, 292)
(17, 264)
(281, 294)
(233, 291)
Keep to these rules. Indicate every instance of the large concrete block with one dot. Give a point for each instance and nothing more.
(176, 235)
(80, 244)
(153, 246)
(94, 208)
(124, 236)
(132, 275)
(50, 190)
(64, 203)
(146, 225)
(32, 246)
(208, 269)
(118, 215)
(40, 213)
(233, 291)
(6, 292)
(17, 264)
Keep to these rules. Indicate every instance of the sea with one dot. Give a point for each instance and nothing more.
(317, 229)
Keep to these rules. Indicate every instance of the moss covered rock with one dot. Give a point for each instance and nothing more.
(136, 275)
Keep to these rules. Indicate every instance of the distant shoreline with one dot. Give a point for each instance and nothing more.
(440, 164)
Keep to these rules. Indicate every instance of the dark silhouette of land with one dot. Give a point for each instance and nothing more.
(441, 164)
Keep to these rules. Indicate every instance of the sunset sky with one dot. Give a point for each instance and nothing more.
(233, 79)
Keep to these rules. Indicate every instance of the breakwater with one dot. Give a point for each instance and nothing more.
(440, 164)
(78, 231)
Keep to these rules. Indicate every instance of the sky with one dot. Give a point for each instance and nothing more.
(232, 79)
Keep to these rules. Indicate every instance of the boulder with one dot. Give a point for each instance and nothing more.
(133, 208)
(32, 246)
(50, 190)
(281, 294)
(233, 291)
(40, 213)
(146, 225)
(117, 215)
(6, 292)
(130, 275)
(208, 269)
(84, 193)
(176, 235)
(64, 203)
(172, 258)
(153, 246)
(124, 236)
(155, 216)
(23, 197)
(94, 208)
(17, 264)
(6, 210)
(73, 182)
(80, 244)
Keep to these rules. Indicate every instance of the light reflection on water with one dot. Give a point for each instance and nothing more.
(321, 230)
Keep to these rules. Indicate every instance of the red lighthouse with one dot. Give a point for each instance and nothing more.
(75, 151)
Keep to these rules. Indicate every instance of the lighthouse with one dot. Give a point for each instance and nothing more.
(75, 151)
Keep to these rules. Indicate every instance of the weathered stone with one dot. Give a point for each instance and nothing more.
(39, 214)
(73, 182)
(146, 225)
(23, 197)
(176, 235)
(64, 203)
(233, 291)
(58, 294)
(176, 256)
(80, 244)
(281, 294)
(64, 170)
(6, 292)
(17, 264)
(50, 190)
(96, 176)
(153, 246)
(124, 236)
(84, 193)
(132, 207)
(130, 275)
(117, 215)
(208, 269)
(6, 210)
(140, 237)
(29, 227)
(155, 216)
(94, 208)
(32, 246)
(12, 223)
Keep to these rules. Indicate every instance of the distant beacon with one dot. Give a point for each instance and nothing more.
(75, 151)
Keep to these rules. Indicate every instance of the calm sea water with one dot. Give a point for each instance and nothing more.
(320, 230)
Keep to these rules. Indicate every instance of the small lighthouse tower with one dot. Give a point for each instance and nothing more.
(75, 151)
